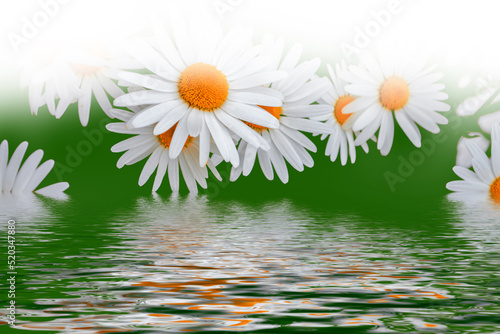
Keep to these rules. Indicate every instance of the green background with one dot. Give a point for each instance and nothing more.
(81, 232)
(90, 167)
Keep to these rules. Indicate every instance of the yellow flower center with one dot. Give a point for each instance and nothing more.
(203, 87)
(275, 111)
(495, 190)
(339, 106)
(394, 93)
(166, 137)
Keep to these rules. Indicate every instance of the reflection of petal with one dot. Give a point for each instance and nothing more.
(464, 158)
(487, 120)
(21, 207)
(479, 219)
(471, 105)
(470, 198)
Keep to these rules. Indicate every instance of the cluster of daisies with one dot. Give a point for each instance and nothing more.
(192, 96)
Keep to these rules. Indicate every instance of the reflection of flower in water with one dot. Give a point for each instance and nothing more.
(24, 208)
(479, 220)
(192, 264)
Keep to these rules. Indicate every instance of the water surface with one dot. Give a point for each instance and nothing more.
(195, 264)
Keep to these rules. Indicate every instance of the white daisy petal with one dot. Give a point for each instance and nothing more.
(162, 169)
(254, 99)
(13, 167)
(181, 135)
(150, 165)
(4, 158)
(101, 96)
(149, 82)
(55, 190)
(251, 114)
(258, 79)
(409, 129)
(85, 101)
(466, 174)
(169, 120)
(308, 110)
(39, 175)
(299, 138)
(277, 160)
(173, 174)
(195, 122)
(265, 164)
(204, 145)
(291, 59)
(237, 126)
(249, 159)
(467, 186)
(286, 149)
(306, 125)
(369, 131)
(26, 172)
(109, 86)
(422, 119)
(481, 163)
(495, 149)
(367, 117)
(144, 97)
(343, 148)
(386, 133)
(166, 46)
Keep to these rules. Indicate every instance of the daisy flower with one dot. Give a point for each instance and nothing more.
(342, 140)
(18, 179)
(299, 89)
(210, 80)
(485, 180)
(74, 74)
(50, 81)
(402, 88)
(157, 148)
(96, 65)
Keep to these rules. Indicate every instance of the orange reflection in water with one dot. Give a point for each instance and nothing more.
(223, 273)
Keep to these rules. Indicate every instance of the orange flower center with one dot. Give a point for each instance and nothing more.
(275, 111)
(166, 137)
(495, 190)
(394, 93)
(203, 87)
(339, 106)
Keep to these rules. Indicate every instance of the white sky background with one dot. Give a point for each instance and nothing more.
(460, 30)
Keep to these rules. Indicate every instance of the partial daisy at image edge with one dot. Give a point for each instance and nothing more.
(484, 181)
(17, 178)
